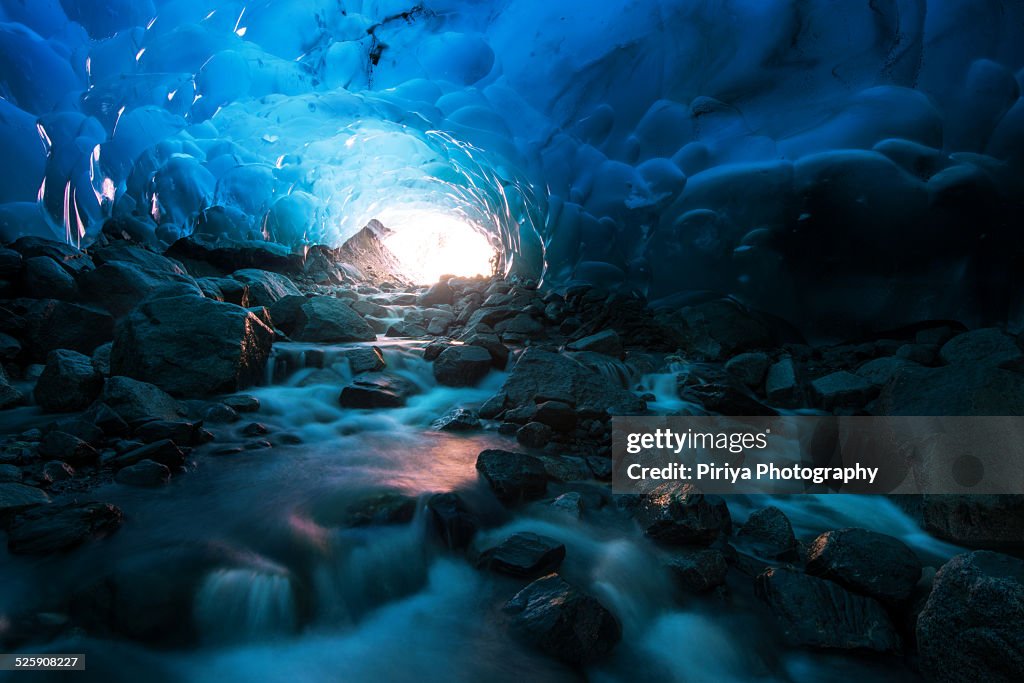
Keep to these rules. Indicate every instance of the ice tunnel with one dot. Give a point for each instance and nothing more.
(841, 165)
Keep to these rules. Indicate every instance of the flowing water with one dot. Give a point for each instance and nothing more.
(250, 550)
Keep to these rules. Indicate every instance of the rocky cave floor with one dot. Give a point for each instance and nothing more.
(125, 365)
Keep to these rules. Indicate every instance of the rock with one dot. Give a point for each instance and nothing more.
(60, 527)
(970, 628)
(62, 446)
(243, 403)
(725, 399)
(42, 277)
(539, 372)
(988, 346)
(320, 319)
(457, 420)
(769, 534)
(79, 427)
(440, 323)
(265, 288)
(601, 467)
(493, 407)
(462, 366)
(683, 515)
(229, 254)
(364, 359)
(565, 468)
(521, 326)
(178, 431)
(164, 452)
(560, 416)
(438, 294)
(74, 261)
(698, 570)
(865, 562)
(106, 420)
(218, 413)
(191, 346)
(562, 621)
(749, 368)
(225, 289)
(17, 497)
(570, 503)
(960, 389)
(720, 329)
(133, 400)
(534, 435)
(988, 522)
(607, 342)
(9, 473)
(924, 354)
(781, 385)
(119, 287)
(406, 329)
(374, 509)
(69, 382)
(842, 390)
(55, 470)
(9, 394)
(514, 477)
(817, 613)
(368, 260)
(101, 358)
(145, 473)
(10, 264)
(499, 352)
(43, 325)
(364, 308)
(880, 370)
(9, 347)
(434, 349)
(524, 554)
(377, 390)
(452, 520)
(138, 256)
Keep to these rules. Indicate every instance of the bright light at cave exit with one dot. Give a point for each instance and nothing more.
(430, 244)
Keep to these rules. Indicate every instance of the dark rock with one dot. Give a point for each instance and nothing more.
(218, 413)
(42, 277)
(601, 467)
(769, 534)
(9, 394)
(61, 527)
(243, 403)
(961, 389)
(749, 368)
(190, 346)
(607, 342)
(988, 346)
(521, 326)
(720, 329)
(108, 421)
(817, 613)
(55, 470)
(881, 370)
(781, 385)
(865, 562)
(566, 468)
(534, 435)
(364, 308)
(9, 473)
(435, 348)
(138, 256)
(61, 446)
(10, 348)
(43, 325)
(539, 372)
(698, 570)
(493, 406)
(406, 329)
(364, 359)
(976, 521)
(514, 477)
(145, 473)
(452, 520)
(178, 431)
(79, 427)
(499, 352)
(558, 415)
(570, 503)
(842, 390)
(119, 287)
(16, 497)
(10, 264)
(457, 420)
(101, 358)
(683, 515)
(321, 319)
(69, 382)
(225, 289)
(265, 288)
(524, 554)
(970, 628)
(74, 261)
(924, 354)
(134, 400)
(562, 621)
(255, 429)
(462, 366)
(164, 452)
(374, 509)
(377, 390)
(439, 293)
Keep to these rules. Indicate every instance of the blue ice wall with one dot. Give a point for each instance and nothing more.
(842, 163)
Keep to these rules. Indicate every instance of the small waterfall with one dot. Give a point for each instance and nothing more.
(245, 604)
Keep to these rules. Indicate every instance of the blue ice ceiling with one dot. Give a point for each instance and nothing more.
(855, 159)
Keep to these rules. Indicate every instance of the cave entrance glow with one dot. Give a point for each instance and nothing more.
(430, 244)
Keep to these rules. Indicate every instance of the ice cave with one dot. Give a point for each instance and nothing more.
(495, 227)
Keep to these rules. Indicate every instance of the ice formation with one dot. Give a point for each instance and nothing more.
(838, 164)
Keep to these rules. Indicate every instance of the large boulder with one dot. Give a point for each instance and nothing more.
(817, 613)
(545, 373)
(69, 382)
(683, 515)
(462, 366)
(320, 319)
(265, 287)
(71, 259)
(377, 390)
(190, 346)
(563, 621)
(42, 325)
(514, 477)
(865, 562)
(132, 401)
(989, 522)
(43, 277)
(971, 630)
(119, 286)
(606, 342)
(54, 528)
(987, 346)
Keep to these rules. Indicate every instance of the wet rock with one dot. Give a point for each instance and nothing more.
(406, 329)
(62, 446)
(781, 385)
(43, 325)
(601, 467)
(539, 372)
(438, 294)
(524, 554)
(493, 406)
(16, 497)
(570, 503)
(607, 342)
(69, 382)
(243, 403)
(514, 477)
(749, 368)
(451, 520)
(119, 287)
(683, 515)
(842, 390)
(364, 359)
(164, 452)
(817, 613)
(74, 261)
(988, 346)
(134, 400)
(364, 308)
(534, 435)
(970, 628)
(55, 470)
(566, 468)
(698, 570)
(563, 621)
(435, 348)
(379, 508)
(106, 420)
(9, 394)
(61, 527)
(499, 352)
(376, 390)
(320, 319)
(178, 431)
(265, 287)
(560, 416)
(457, 420)
(145, 473)
(190, 346)
(976, 521)
(42, 277)
(218, 413)
(440, 323)
(865, 562)
(462, 366)
(769, 534)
